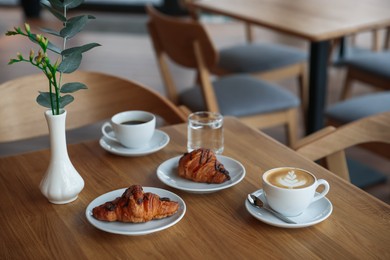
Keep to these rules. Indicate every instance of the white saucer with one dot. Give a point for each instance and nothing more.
(167, 172)
(135, 229)
(317, 212)
(159, 140)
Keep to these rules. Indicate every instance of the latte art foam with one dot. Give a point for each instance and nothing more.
(290, 179)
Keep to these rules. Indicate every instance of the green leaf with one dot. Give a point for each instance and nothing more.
(57, 4)
(53, 48)
(43, 99)
(70, 63)
(55, 12)
(74, 26)
(50, 45)
(72, 87)
(72, 3)
(66, 100)
(80, 49)
(50, 31)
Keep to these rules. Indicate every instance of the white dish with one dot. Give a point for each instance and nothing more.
(159, 140)
(314, 214)
(167, 173)
(135, 229)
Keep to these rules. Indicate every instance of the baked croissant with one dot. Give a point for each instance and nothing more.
(201, 165)
(136, 206)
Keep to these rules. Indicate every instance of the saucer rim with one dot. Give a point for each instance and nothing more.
(274, 221)
(104, 142)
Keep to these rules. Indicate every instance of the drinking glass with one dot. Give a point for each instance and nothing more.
(205, 130)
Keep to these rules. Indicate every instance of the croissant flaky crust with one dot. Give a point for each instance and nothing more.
(201, 165)
(136, 206)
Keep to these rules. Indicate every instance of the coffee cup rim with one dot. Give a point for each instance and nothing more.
(267, 172)
(151, 117)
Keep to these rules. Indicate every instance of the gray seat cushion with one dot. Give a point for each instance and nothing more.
(250, 58)
(377, 63)
(356, 108)
(242, 95)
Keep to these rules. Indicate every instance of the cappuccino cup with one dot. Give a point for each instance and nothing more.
(132, 129)
(290, 190)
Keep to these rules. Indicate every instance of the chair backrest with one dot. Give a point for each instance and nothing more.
(187, 43)
(21, 117)
(330, 142)
(175, 37)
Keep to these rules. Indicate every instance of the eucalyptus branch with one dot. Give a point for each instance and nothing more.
(51, 96)
(69, 59)
(64, 42)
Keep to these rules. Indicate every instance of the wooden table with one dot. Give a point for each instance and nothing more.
(216, 225)
(317, 21)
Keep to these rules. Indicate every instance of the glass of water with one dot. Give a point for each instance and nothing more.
(205, 130)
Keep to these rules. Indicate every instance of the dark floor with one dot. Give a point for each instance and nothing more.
(126, 51)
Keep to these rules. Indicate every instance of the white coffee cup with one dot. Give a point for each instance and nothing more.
(132, 129)
(291, 190)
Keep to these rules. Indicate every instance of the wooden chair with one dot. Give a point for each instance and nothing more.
(106, 95)
(186, 42)
(330, 142)
(371, 67)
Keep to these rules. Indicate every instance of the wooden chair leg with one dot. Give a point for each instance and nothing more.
(304, 91)
(292, 127)
(347, 88)
(387, 39)
(333, 44)
(376, 40)
(248, 33)
(337, 163)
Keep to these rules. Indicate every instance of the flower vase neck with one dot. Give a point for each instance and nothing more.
(57, 133)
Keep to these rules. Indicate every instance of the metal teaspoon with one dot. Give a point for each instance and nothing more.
(257, 202)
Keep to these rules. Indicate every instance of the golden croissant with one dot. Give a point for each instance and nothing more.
(201, 165)
(136, 206)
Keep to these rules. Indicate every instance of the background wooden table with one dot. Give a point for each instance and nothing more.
(215, 225)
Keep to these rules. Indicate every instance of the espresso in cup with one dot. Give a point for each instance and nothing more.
(290, 190)
(134, 122)
(132, 129)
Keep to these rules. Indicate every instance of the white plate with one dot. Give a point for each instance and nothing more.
(135, 229)
(167, 172)
(159, 140)
(317, 212)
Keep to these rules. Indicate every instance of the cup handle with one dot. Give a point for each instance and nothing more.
(108, 125)
(324, 192)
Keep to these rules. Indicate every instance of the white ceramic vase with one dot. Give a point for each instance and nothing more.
(61, 183)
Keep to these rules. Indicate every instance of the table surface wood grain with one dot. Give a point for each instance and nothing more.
(314, 20)
(216, 225)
